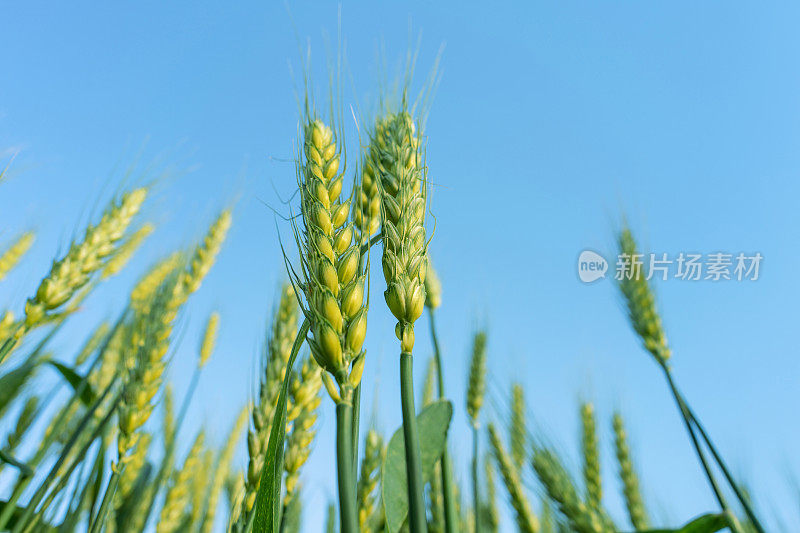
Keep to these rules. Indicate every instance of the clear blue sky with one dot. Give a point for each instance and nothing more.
(549, 122)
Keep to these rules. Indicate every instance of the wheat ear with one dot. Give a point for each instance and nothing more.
(591, 457)
(13, 254)
(526, 519)
(627, 474)
(222, 470)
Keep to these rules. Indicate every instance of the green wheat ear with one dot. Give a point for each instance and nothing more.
(518, 432)
(641, 302)
(627, 474)
(477, 377)
(526, 519)
(591, 457)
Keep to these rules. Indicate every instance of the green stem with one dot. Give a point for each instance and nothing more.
(356, 420)
(344, 460)
(700, 455)
(109, 495)
(416, 501)
(450, 516)
(475, 495)
(723, 467)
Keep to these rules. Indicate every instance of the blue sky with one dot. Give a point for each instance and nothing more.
(550, 122)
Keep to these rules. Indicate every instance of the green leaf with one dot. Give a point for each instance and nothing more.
(268, 498)
(433, 423)
(12, 382)
(707, 523)
(78, 382)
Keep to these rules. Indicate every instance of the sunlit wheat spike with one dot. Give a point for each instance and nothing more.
(24, 421)
(491, 511)
(205, 254)
(433, 287)
(144, 357)
(126, 251)
(13, 254)
(477, 378)
(178, 494)
(222, 470)
(641, 302)
(146, 287)
(84, 258)
(368, 479)
(591, 457)
(209, 339)
(548, 520)
(278, 350)
(94, 341)
(334, 274)
(560, 488)
(526, 519)
(367, 213)
(133, 467)
(234, 489)
(403, 191)
(199, 490)
(517, 428)
(304, 391)
(627, 474)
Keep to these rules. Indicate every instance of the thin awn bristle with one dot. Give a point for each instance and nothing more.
(13, 254)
